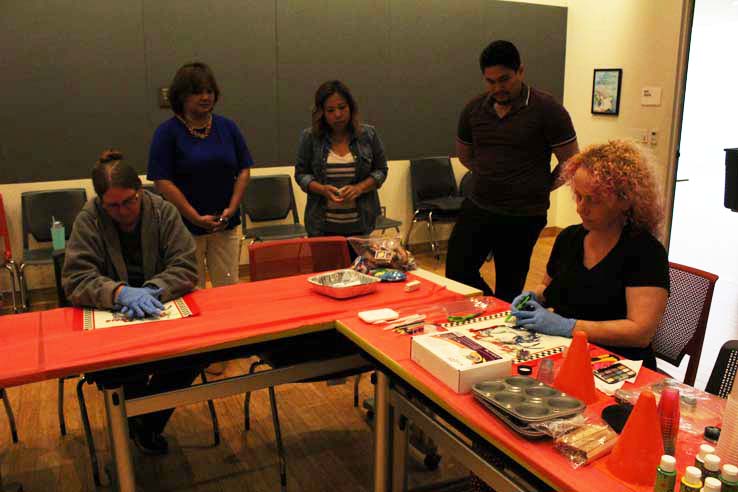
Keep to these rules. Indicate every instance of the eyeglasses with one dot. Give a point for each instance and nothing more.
(128, 203)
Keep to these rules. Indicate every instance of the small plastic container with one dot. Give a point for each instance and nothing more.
(57, 234)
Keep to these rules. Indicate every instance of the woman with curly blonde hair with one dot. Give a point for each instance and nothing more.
(609, 275)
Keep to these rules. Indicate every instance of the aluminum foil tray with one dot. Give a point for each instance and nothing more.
(527, 399)
(343, 284)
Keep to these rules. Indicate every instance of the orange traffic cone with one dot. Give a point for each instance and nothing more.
(575, 376)
(639, 448)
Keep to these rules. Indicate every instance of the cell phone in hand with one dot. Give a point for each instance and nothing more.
(222, 219)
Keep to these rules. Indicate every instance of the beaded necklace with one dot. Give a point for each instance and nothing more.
(201, 132)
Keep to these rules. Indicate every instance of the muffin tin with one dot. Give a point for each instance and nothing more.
(526, 400)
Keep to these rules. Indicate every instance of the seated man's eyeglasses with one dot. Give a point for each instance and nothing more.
(127, 203)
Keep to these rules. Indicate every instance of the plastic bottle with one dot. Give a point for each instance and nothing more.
(729, 478)
(699, 460)
(57, 234)
(669, 418)
(665, 475)
(712, 484)
(691, 480)
(727, 447)
(712, 466)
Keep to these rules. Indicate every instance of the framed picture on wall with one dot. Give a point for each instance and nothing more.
(606, 90)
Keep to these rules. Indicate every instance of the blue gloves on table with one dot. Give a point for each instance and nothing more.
(540, 319)
(139, 302)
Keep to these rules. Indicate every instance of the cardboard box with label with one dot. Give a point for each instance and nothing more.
(458, 360)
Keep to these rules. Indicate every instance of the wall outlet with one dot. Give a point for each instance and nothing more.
(640, 135)
(164, 98)
(653, 137)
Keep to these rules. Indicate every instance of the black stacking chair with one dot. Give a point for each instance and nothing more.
(383, 222)
(9, 412)
(270, 198)
(37, 209)
(58, 259)
(723, 372)
(434, 195)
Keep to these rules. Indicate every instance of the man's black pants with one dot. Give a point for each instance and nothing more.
(510, 239)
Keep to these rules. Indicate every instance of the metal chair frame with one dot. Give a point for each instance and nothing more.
(342, 261)
(424, 212)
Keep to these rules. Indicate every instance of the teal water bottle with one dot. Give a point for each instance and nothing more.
(57, 234)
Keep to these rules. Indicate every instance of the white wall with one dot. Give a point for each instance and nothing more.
(642, 38)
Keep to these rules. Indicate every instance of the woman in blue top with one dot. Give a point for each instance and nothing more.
(200, 162)
(340, 165)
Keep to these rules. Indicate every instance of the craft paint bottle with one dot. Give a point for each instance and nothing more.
(691, 480)
(712, 466)
(665, 475)
(729, 478)
(711, 485)
(699, 460)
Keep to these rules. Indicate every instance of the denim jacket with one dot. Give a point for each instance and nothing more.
(312, 154)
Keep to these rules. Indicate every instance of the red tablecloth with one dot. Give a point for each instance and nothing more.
(50, 344)
(538, 456)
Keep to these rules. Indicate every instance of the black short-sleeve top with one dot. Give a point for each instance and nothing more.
(512, 154)
(598, 294)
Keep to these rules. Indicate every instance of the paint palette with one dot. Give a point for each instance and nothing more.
(527, 399)
(615, 373)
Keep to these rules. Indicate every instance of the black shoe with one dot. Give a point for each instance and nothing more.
(151, 443)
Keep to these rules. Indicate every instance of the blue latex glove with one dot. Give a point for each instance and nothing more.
(138, 302)
(542, 320)
(520, 297)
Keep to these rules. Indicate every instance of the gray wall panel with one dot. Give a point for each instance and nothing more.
(433, 51)
(73, 79)
(237, 39)
(323, 40)
(82, 76)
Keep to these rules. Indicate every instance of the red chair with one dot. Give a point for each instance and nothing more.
(11, 267)
(273, 259)
(682, 328)
(7, 259)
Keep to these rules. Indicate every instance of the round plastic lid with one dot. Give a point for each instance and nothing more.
(730, 473)
(668, 463)
(693, 474)
(712, 433)
(705, 449)
(712, 462)
(712, 484)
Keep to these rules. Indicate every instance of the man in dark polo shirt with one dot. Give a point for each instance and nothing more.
(506, 137)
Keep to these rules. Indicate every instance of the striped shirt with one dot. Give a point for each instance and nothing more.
(341, 218)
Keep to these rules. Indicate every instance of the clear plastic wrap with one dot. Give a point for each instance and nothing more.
(558, 427)
(697, 408)
(586, 443)
(381, 252)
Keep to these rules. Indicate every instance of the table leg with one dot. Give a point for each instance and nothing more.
(382, 431)
(399, 452)
(115, 408)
